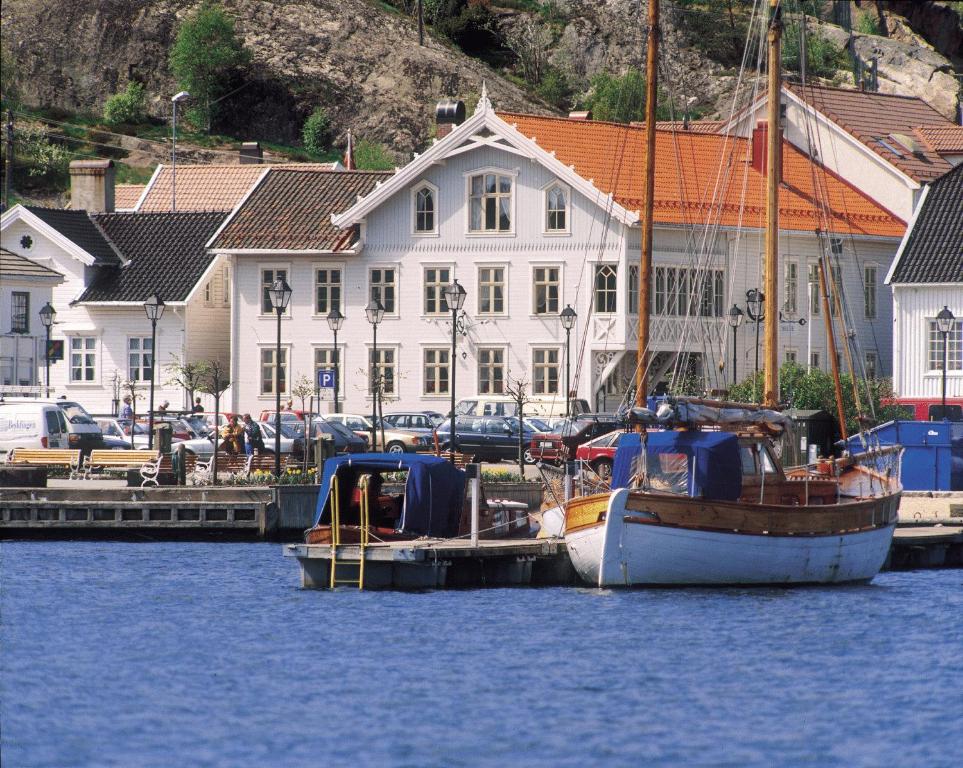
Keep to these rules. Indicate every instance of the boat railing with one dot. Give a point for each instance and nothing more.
(364, 520)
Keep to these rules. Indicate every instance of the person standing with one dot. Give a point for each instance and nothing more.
(237, 435)
(198, 408)
(254, 440)
(126, 410)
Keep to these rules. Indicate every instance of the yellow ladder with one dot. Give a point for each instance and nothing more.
(336, 534)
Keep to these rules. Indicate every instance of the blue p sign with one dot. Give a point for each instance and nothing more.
(327, 378)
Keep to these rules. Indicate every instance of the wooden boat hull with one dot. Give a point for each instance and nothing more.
(633, 544)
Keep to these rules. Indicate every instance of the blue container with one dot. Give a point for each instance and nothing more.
(933, 455)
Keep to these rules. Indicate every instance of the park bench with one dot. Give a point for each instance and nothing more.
(462, 460)
(101, 460)
(234, 465)
(164, 465)
(48, 457)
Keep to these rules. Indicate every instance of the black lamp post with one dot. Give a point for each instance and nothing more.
(455, 297)
(375, 311)
(734, 317)
(280, 296)
(335, 321)
(154, 307)
(47, 315)
(944, 324)
(568, 318)
(754, 304)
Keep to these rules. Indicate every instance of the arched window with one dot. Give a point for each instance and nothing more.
(556, 209)
(425, 210)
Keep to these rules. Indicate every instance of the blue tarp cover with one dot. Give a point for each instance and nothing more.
(715, 468)
(434, 489)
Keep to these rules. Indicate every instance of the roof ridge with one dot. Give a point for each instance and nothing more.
(840, 89)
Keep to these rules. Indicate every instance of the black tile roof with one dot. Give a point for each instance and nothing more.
(79, 228)
(933, 252)
(165, 250)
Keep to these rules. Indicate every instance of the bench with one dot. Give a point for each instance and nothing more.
(234, 465)
(462, 460)
(121, 461)
(47, 457)
(164, 465)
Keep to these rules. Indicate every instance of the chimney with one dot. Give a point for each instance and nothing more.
(582, 115)
(251, 153)
(760, 148)
(92, 185)
(448, 114)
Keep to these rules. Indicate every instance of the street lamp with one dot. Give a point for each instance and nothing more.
(734, 318)
(335, 321)
(176, 99)
(375, 311)
(755, 299)
(944, 324)
(280, 296)
(154, 307)
(47, 315)
(568, 318)
(454, 296)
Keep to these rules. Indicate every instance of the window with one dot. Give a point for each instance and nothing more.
(790, 304)
(226, 286)
(436, 278)
(491, 371)
(834, 285)
(382, 282)
(836, 246)
(605, 295)
(681, 291)
(20, 312)
(546, 282)
(436, 371)
(491, 290)
(556, 209)
(274, 378)
(545, 371)
(207, 294)
(791, 356)
(814, 359)
(425, 210)
(490, 203)
(381, 367)
(83, 358)
(327, 358)
(327, 289)
(634, 289)
(140, 358)
(815, 305)
(872, 364)
(268, 276)
(954, 347)
(869, 291)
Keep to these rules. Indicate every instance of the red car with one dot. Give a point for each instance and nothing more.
(599, 453)
(557, 446)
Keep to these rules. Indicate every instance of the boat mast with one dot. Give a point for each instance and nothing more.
(648, 197)
(773, 178)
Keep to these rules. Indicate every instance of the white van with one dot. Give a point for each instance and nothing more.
(82, 431)
(503, 405)
(30, 424)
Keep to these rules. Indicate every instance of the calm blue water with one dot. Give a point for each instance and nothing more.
(210, 655)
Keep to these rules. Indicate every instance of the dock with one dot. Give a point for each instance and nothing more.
(926, 546)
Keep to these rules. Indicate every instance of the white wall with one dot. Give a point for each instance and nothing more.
(22, 354)
(915, 306)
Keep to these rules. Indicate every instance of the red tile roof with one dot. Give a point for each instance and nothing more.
(127, 195)
(690, 166)
(945, 139)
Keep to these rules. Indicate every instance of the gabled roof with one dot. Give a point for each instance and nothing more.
(690, 166)
(165, 252)
(80, 229)
(291, 208)
(945, 139)
(932, 250)
(12, 264)
(879, 121)
(127, 195)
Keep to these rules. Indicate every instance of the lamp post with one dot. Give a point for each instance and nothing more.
(47, 315)
(455, 297)
(568, 318)
(755, 299)
(944, 324)
(280, 296)
(375, 311)
(154, 307)
(735, 317)
(335, 320)
(175, 100)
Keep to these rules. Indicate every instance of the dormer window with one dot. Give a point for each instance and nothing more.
(425, 210)
(556, 209)
(490, 203)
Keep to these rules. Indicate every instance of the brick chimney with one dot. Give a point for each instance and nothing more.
(251, 153)
(92, 185)
(448, 114)
(760, 148)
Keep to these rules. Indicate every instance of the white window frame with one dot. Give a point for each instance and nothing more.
(226, 285)
(396, 267)
(261, 268)
(567, 191)
(327, 349)
(596, 266)
(814, 295)
(560, 284)
(870, 289)
(209, 293)
(791, 355)
(954, 349)
(95, 381)
(814, 361)
(396, 365)
(424, 287)
(415, 232)
(545, 366)
(510, 232)
(128, 352)
(329, 265)
(436, 365)
(503, 364)
(790, 289)
(871, 361)
(504, 284)
(272, 348)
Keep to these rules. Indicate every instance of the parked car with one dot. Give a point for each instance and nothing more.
(503, 405)
(82, 430)
(294, 415)
(291, 442)
(31, 424)
(487, 438)
(599, 453)
(560, 445)
(119, 429)
(395, 440)
(345, 441)
(417, 421)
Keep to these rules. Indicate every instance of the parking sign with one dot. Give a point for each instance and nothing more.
(327, 378)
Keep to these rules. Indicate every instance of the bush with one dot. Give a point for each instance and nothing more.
(128, 106)
(555, 88)
(823, 57)
(371, 156)
(316, 133)
(867, 24)
(620, 99)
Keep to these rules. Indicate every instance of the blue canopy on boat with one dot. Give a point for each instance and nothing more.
(434, 489)
(713, 466)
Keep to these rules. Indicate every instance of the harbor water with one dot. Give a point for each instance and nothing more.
(161, 654)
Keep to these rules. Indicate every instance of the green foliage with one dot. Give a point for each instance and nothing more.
(555, 88)
(371, 156)
(128, 106)
(46, 161)
(316, 134)
(619, 99)
(867, 24)
(823, 56)
(9, 85)
(717, 27)
(204, 57)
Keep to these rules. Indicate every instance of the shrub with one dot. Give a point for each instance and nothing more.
(371, 156)
(316, 133)
(867, 24)
(555, 88)
(823, 56)
(128, 106)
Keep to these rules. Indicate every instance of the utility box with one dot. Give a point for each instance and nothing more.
(323, 450)
(162, 437)
(809, 428)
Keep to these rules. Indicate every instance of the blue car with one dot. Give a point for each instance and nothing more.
(488, 438)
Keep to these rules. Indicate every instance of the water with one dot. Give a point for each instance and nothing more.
(210, 655)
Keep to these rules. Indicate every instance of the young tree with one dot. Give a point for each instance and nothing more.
(316, 133)
(128, 106)
(303, 389)
(214, 381)
(517, 389)
(206, 53)
(129, 387)
(187, 376)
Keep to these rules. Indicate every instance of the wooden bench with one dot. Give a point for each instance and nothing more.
(462, 460)
(47, 457)
(119, 461)
(164, 465)
(237, 466)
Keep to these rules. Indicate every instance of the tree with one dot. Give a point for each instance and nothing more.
(129, 387)
(303, 389)
(214, 381)
(316, 133)
(619, 99)
(529, 40)
(204, 57)
(517, 389)
(188, 376)
(370, 156)
(128, 106)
